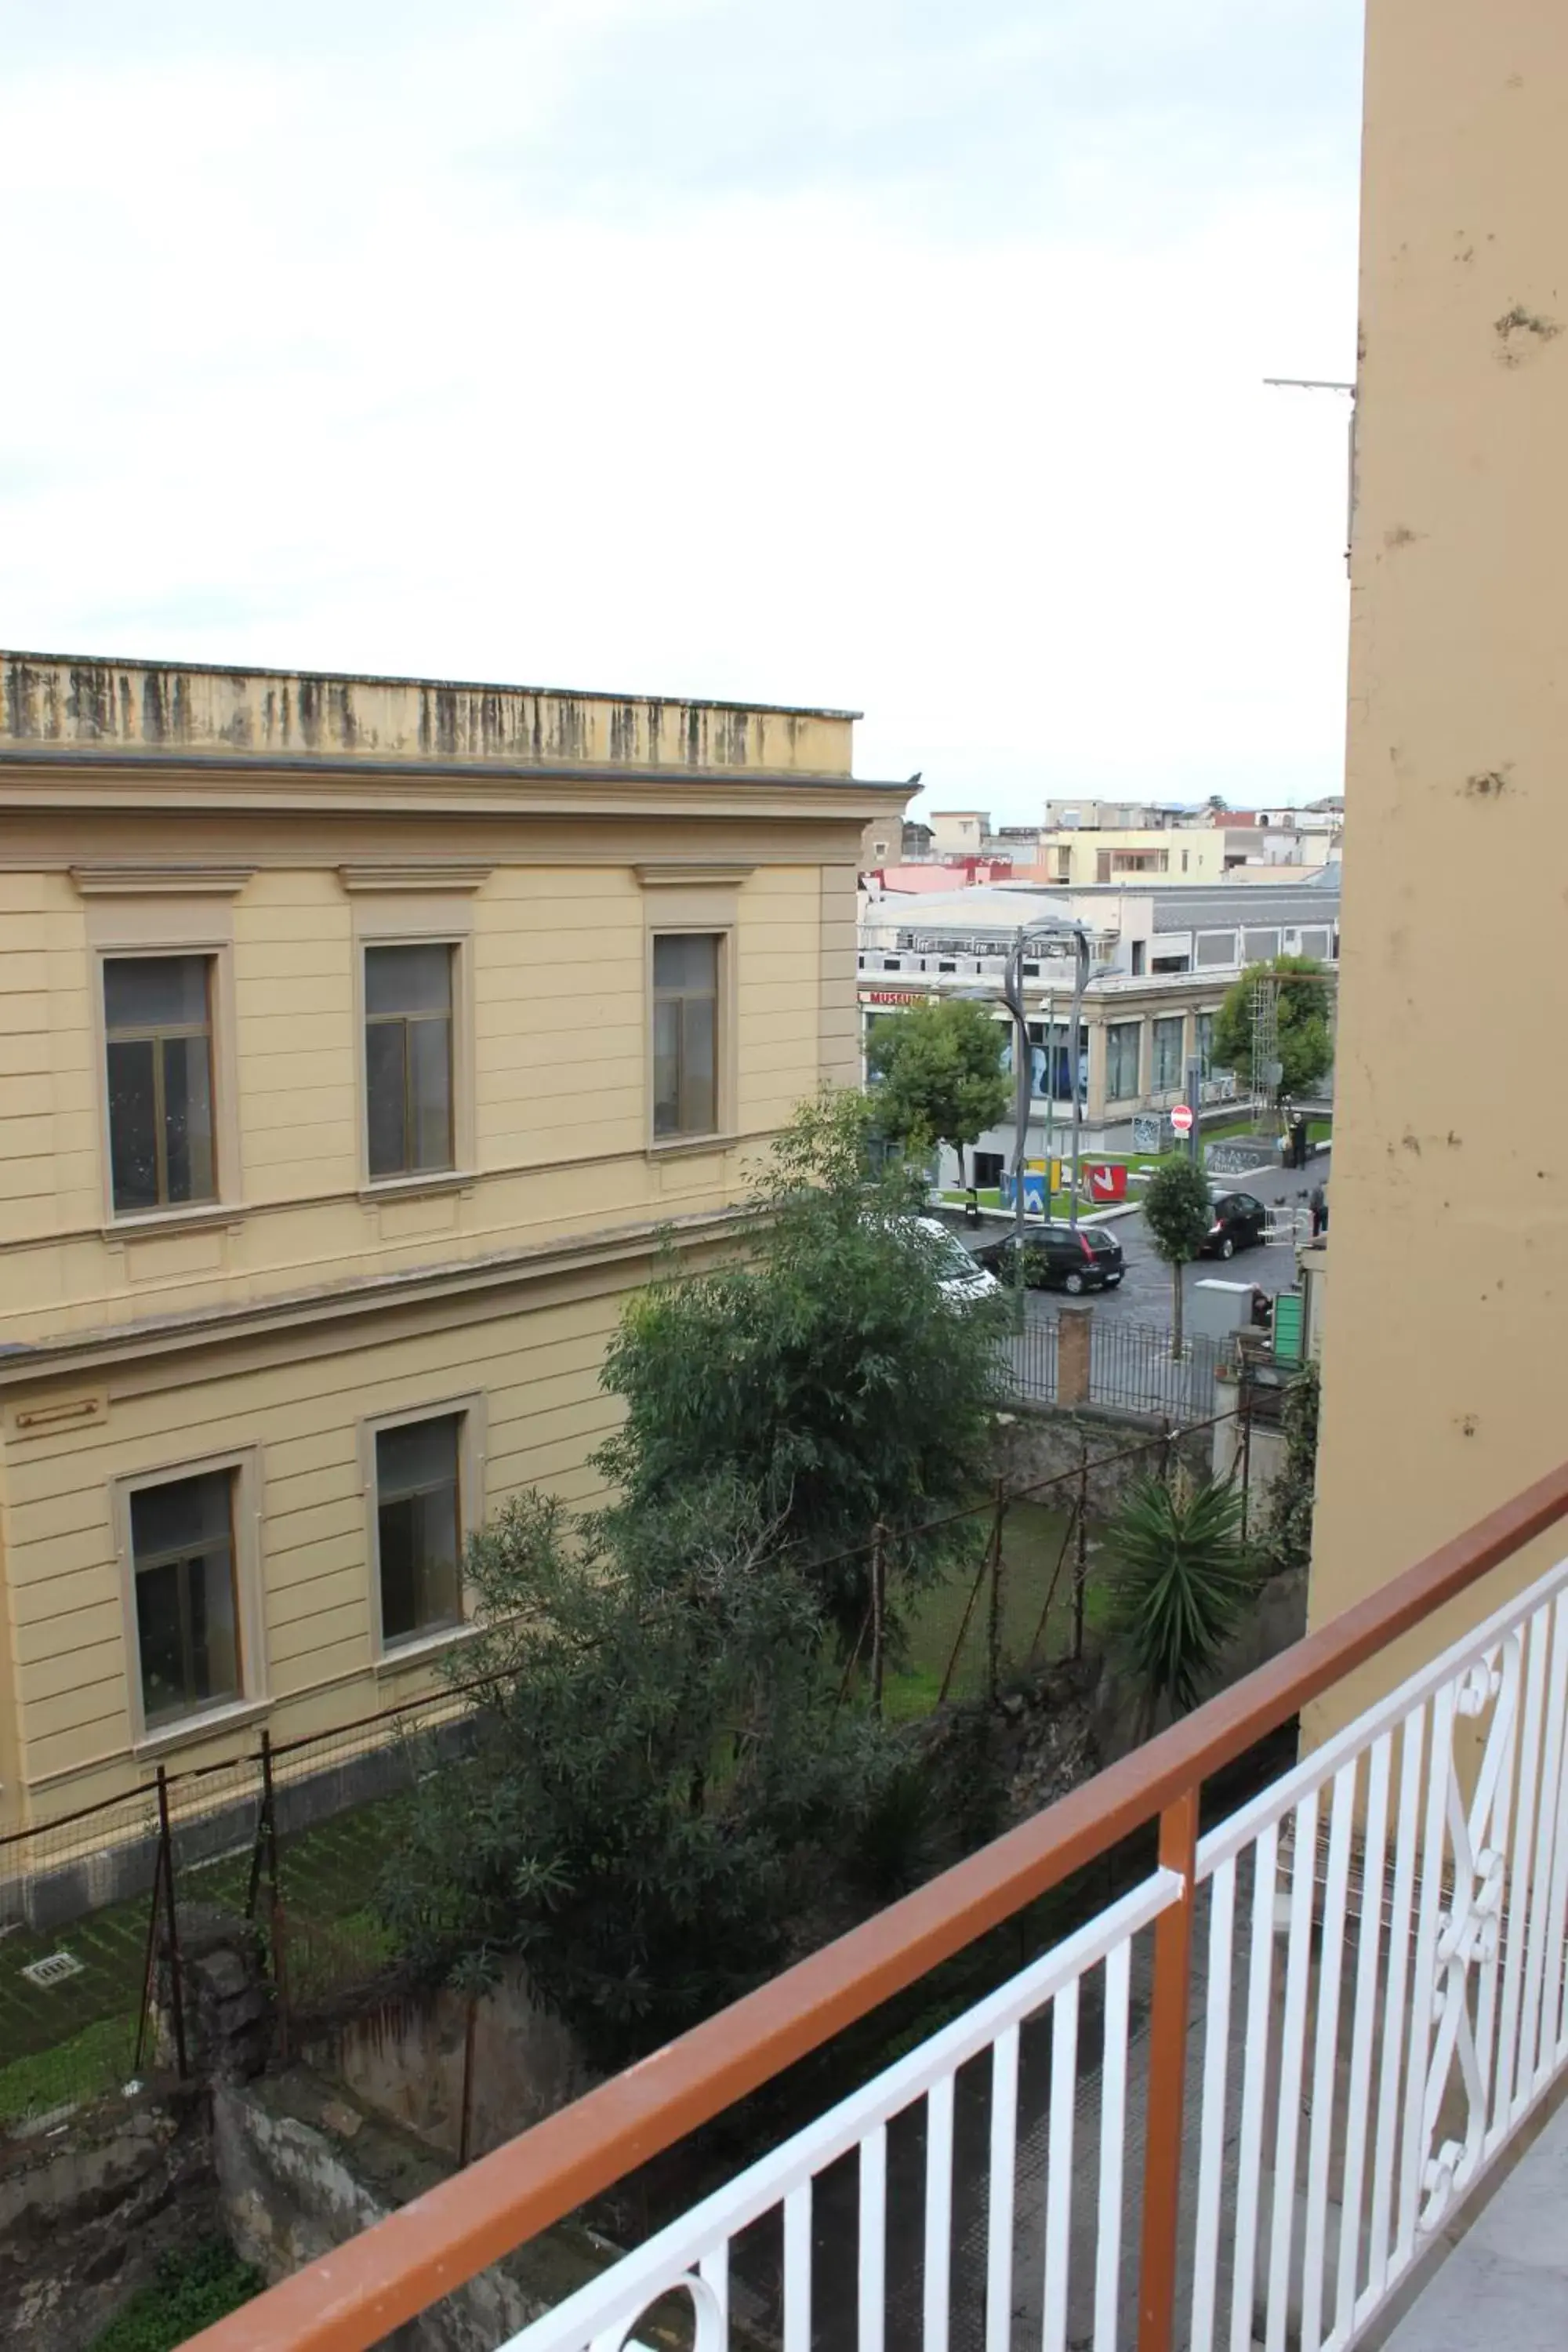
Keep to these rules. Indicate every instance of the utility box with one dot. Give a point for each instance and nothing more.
(1218, 1309)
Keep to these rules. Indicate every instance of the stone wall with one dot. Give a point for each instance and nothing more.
(302, 2166)
(408, 2062)
(1039, 1442)
(88, 2209)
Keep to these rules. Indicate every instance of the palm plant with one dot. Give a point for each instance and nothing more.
(1182, 1580)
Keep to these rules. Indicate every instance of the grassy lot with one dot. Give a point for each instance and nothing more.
(1033, 1539)
(77, 2038)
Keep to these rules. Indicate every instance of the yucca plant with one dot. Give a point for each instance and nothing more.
(1183, 1576)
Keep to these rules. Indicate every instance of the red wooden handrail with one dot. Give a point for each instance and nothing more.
(351, 2298)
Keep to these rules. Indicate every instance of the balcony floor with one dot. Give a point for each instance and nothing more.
(1506, 2283)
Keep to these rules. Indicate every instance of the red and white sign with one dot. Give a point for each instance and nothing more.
(1182, 1117)
(1106, 1180)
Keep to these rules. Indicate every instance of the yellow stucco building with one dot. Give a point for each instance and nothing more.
(1447, 1254)
(359, 1040)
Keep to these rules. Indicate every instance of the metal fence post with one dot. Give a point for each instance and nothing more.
(879, 1605)
(465, 2131)
(263, 1827)
(1246, 1451)
(176, 1992)
(149, 1961)
(277, 1925)
(993, 1623)
(1080, 1553)
(1167, 2078)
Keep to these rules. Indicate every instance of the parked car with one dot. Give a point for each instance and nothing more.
(959, 1271)
(1060, 1258)
(1240, 1221)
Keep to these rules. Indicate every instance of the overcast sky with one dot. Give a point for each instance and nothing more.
(897, 354)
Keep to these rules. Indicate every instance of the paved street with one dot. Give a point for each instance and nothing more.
(1144, 1296)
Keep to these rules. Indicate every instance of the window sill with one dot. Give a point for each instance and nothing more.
(217, 1720)
(203, 1216)
(415, 1188)
(422, 1648)
(674, 1147)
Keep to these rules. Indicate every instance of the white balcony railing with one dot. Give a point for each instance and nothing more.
(1419, 1947)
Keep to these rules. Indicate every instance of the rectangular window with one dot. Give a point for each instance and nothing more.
(1121, 1059)
(685, 1032)
(1203, 1041)
(1168, 1054)
(1139, 947)
(187, 1614)
(418, 1527)
(408, 1059)
(157, 1019)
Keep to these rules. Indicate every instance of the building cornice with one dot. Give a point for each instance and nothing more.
(139, 881)
(691, 874)
(90, 782)
(438, 874)
(203, 1329)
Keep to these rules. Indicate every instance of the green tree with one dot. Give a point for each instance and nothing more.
(1181, 1581)
(939, 1075)
(827, 1373)
(1306, 1048)
(1178, 1212)
(656, 1778)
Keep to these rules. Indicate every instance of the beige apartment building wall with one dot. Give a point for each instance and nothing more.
(293, 1411)
(1442, 1362)
(552, 1067)
(1080, 859)
(267, 1334)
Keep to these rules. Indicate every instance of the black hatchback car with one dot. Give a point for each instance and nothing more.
(1239, 1223)
(1059, 1257)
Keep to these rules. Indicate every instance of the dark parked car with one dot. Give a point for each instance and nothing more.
(1059, 1257)
(1239, 1218)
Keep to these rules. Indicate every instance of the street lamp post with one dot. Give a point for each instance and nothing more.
(1013, 998)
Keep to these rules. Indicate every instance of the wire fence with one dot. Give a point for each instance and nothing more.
(295, 1835)
(292, 1835)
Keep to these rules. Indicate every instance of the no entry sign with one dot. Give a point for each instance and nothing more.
(1182, 1117)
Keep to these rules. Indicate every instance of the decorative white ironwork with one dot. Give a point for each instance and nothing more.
(1383, 2003)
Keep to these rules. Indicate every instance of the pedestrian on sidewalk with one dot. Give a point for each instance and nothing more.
(1318, 1205)
(1298, 1142)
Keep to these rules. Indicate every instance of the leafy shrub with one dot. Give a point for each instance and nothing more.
(190, 2291)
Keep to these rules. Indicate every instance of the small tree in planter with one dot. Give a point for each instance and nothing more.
(1178, 1213)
